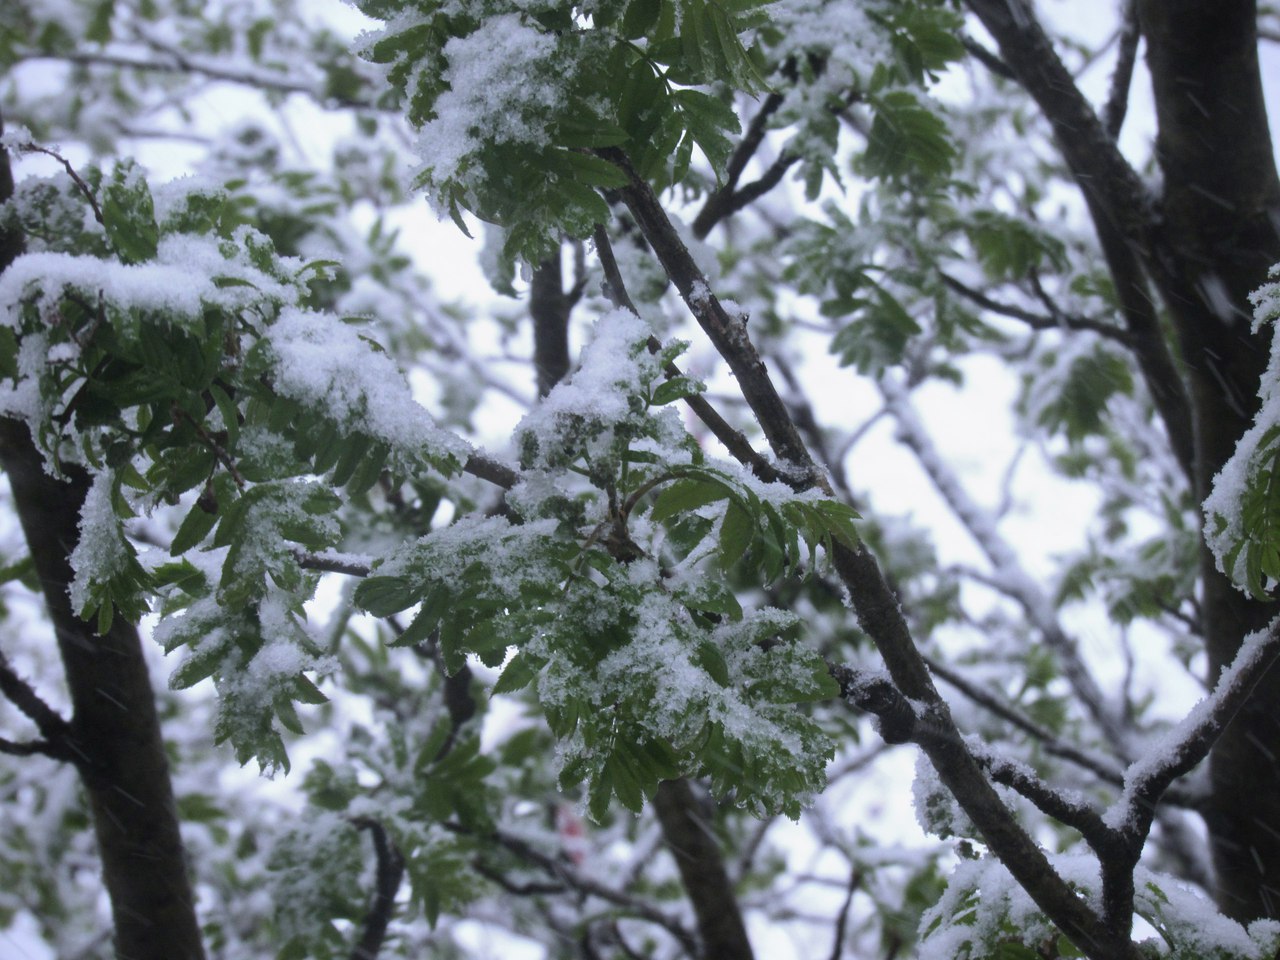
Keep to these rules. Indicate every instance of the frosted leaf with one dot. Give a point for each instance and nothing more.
(173, 288)
(1242, 522)
(937, 810)
(504, 88)
(581, 414)
(326, 364)
(101, 554)
(983, 907)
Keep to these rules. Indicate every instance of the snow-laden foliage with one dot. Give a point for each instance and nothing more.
(489, 667)
(1242, 515)
(984, 913)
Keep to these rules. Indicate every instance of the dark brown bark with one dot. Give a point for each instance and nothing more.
(1205, 243)
(1221, 200)
(878, 611)
(697, 854)
(549, 306)
(114, 731)
(387, 878)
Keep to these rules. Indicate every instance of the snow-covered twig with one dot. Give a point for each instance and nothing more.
(1184, 746)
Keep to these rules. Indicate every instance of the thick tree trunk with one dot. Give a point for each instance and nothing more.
(114, 729)
(115, 733)
(689, 837)
(1221, 201)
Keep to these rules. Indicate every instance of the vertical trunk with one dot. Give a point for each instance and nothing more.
(115, 732)
(689, 836)
(1221, 201)
(114, 729)
(549, 306)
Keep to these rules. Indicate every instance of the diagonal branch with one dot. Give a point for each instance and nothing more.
(874, 603)
(565, 872)
(1189, 742)
(176, 61)
(1091, 153)
(734, 441)
(702, 872)
(1037, 321)
(51, 724)
(720, 203)
(1123, 210)
(1067, 808)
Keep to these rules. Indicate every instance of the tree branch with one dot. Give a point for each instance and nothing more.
(495, 471)
(549, 307)
(988, 59)
(566, 873)
(842, 919)
(876, 606)
(179, 62)
(1066, 808)
(734, 441)
(71, 172)
(51, 724)
(720, 204)
(1184, 747)
(31, 748)
(389, 874)
(1009, 571)
(1036, 321)
(1091, 153)
(1122, 208)
(1118, 98)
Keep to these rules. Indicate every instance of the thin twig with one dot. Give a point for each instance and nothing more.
(218, 450)
(842, 919)
(31, 748)
(875, 605)
(987, 58)
(55, 730)
(1148, 779)
(1066, 808)
(566, 873)
(29, 147)
(1118, 97)
(495, 471)
(1037, 321)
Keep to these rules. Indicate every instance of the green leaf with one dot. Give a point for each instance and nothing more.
(677, 388)
(737, 532)
(710, 658)
(198, 665)
(194, 528)
(516, 675)
(907, 138)
(305, 691)
(352, 453)
(708, 120)
(383, 596)
(686, 495)
(712, 596)
(640, 18)
(129, 215)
